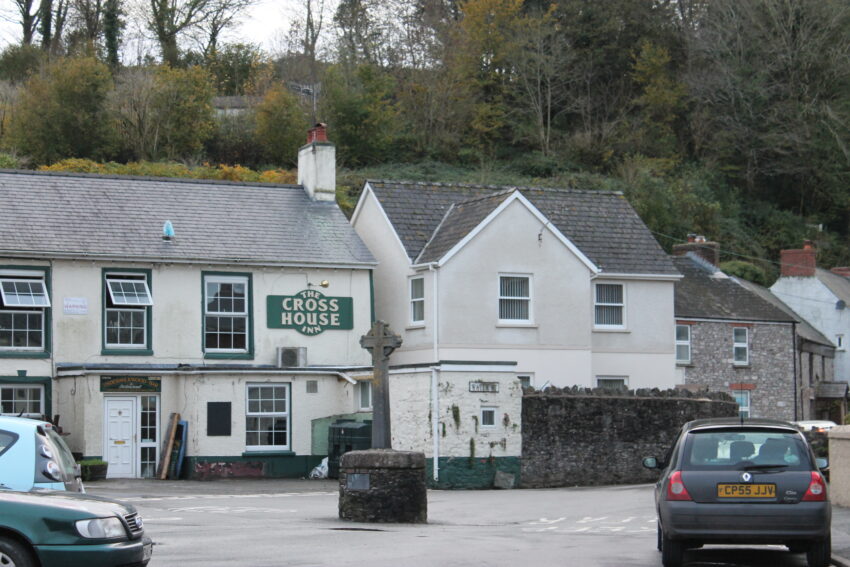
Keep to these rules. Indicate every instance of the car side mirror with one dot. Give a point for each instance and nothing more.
(822, 463)
(650, 462)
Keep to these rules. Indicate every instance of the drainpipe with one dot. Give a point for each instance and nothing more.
(435, 375)
(794, 351)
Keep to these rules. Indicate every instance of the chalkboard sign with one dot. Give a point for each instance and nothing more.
(218, 419)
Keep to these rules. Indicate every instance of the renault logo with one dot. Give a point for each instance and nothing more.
(746, 477)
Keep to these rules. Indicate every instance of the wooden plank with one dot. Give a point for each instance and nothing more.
(165, 458)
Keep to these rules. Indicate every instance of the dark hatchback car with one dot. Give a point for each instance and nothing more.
(728, 481)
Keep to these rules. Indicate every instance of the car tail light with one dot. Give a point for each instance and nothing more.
(817, 489)
(676, 488)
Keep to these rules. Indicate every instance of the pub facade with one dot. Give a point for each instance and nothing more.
(132, 308)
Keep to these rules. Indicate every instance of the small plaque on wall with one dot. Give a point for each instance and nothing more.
(218, 419)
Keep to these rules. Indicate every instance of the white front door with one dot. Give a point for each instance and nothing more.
(120, 441)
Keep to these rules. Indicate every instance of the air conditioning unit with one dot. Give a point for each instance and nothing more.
(288, 357)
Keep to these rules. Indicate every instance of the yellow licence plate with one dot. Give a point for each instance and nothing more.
(746, 491)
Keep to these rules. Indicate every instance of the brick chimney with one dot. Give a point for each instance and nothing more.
(708, 251)
(800, 262)
(317, 165)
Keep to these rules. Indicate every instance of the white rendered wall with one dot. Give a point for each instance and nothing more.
(178, 317)
(411, 414)
(813, 301)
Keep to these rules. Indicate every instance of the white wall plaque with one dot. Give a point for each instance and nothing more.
(76, 306)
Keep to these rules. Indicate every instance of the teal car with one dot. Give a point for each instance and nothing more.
(66, 529)
(33, 456)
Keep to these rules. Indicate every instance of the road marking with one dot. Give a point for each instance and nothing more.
(231, 510)
(218, 496)
(593, 525)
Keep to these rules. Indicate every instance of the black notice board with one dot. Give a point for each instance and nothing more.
(218, 419)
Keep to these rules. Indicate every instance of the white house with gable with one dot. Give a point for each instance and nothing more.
(568, 286)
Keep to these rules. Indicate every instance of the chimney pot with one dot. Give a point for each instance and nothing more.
(318, 133)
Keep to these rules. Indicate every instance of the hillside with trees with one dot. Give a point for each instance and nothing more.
(725, 118)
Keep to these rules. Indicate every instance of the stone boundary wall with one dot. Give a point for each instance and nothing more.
(576, 437)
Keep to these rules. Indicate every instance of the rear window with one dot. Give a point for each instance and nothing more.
(7, 439)
(63, 454)
(738, 449)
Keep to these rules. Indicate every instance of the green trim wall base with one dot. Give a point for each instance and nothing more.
(465, 473)
(267, 466)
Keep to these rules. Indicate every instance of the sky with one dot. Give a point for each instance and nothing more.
(264, 23)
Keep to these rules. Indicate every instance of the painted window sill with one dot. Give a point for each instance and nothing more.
(517, 325)
(23, 354)
(612, 330)
(415, 326)
(229, 355)
(268, 454)
(126, 352)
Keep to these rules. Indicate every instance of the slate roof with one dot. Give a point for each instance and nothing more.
(838, 285)
(602, 224)
(707, 293)
(804, 329)
(460, 220)
(121, 217)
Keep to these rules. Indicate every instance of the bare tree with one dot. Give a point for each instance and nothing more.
(132, 103)
(220, 15)
(542, 69)
(168, 19)
(28, 12)
(88, 15)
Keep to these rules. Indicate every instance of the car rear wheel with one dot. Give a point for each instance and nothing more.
(13, 554)
(672, 552)
(820, 553)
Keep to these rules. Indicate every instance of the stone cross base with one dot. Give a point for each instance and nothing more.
(383, 485)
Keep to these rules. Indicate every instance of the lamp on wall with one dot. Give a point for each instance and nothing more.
(323, 283)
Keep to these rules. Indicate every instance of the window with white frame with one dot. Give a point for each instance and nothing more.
(526, 380)
(612, 382)
(365, 394)
(267, 417)
(683, 344)
(515, 298)
(609, 302)
(740, 346)
(21, 399)
(743, 399)
(127, 310)
(226, 313)
(24, 304)
(488, 416)
(417, 301)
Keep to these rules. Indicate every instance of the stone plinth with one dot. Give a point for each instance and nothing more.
(839, 465)
(382, 485)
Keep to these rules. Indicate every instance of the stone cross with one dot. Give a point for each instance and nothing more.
(381, 342)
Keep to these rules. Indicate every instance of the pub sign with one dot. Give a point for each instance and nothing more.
(129, 384)
(310, 312)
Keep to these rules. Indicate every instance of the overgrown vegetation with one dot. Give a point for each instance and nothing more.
(725, 118)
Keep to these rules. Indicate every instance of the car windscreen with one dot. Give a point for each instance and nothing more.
(7, 439)
(742, 449)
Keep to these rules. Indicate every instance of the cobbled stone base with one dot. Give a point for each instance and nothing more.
(383, 486)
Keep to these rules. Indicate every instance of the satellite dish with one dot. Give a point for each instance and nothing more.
(840, 304)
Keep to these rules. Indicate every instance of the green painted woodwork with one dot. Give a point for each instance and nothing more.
(471, 473)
